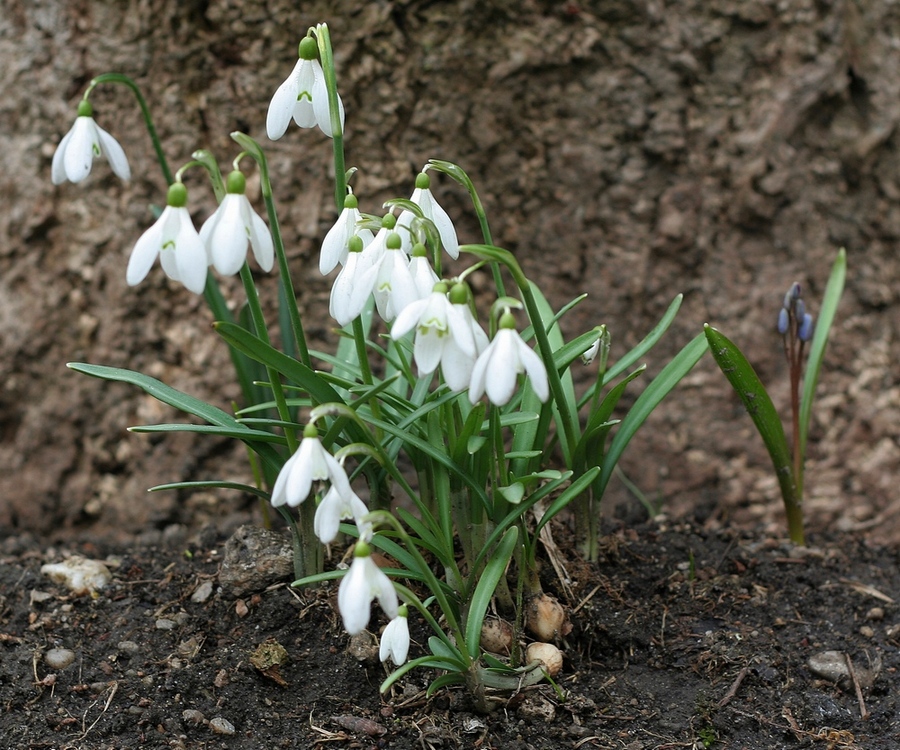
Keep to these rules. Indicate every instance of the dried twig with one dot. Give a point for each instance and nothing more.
(863, 712)
(732, 691)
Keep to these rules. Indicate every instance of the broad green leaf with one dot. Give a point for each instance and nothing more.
(753, 395)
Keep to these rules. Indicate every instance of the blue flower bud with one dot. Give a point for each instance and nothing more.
(804, 333)
(783, 321)
(799, 309)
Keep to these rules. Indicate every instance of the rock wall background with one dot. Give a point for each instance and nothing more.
(633, 149)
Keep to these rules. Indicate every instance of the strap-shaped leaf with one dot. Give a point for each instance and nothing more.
(184, 402)
(658, 389)
(753, 395)
(487, 584)
(833, 291)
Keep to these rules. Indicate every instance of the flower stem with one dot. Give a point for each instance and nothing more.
(145, 111)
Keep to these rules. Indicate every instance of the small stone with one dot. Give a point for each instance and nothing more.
(82, 576)
(193, 716)
(163, 623)
(829, 664)
(364, 647)
(128, 647)
(536, 707)
(59, 658)
(876, 614)
(202, 592)
(254, 559)
(866, 631)
(221, 726)
(240, 608)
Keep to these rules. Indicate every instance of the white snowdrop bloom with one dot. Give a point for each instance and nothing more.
(437, 323)
(353, 285)
(334, 508)
(303, 96)
(499, 365)
(395, 639)
(432, 210)
(84, 142)
(173, 238)
(364, 582)
(423, 274)
(459, 377)
(310, 463)
(395, 287)
(234, 224)
(334, 247)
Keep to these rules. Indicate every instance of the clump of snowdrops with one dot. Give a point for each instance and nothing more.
(479, 408)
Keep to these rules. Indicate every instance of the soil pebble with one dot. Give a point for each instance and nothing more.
(59, 658)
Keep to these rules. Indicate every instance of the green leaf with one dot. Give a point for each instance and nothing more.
(637, 352)
(753, 395)
(833, 291)
(245, 434)
(513, 493)
(290, 368)
(213, 484)
(667, 379)
(182, 401)
(571, 492)
(487, 584)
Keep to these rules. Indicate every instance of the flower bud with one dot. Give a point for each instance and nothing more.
(805, 331)
(783, 321)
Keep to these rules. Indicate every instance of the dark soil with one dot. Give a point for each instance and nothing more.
(681, 639)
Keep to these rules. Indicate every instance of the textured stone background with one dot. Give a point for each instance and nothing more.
(630, 149)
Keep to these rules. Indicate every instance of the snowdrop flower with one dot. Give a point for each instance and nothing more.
(81, 145)
(334, 247)
(303, 96)
(499, 365)
(310, 463)
(176, 242)
(395, 638)
(437, 323)
(353, 285)
(334, 508)
(227, 232)
(432, 210)
(362, 583)
(423, 274)
(394, 284)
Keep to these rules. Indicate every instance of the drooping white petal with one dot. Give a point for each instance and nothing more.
(363, 582)
(320, 102)
(408, 318)
(304, 114)
(433, 210)
(227, 240)
(261, 241)
(534, 367)
(114, 154)
(423, 275)
(190, 255)
(354, 597)
(504, 367)
(395, 641)
(281, 108)
(58, 166)
(334, 507)
(334, 246)
(351, 289)
(79, 154)
(146, 250)
(456, 366)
